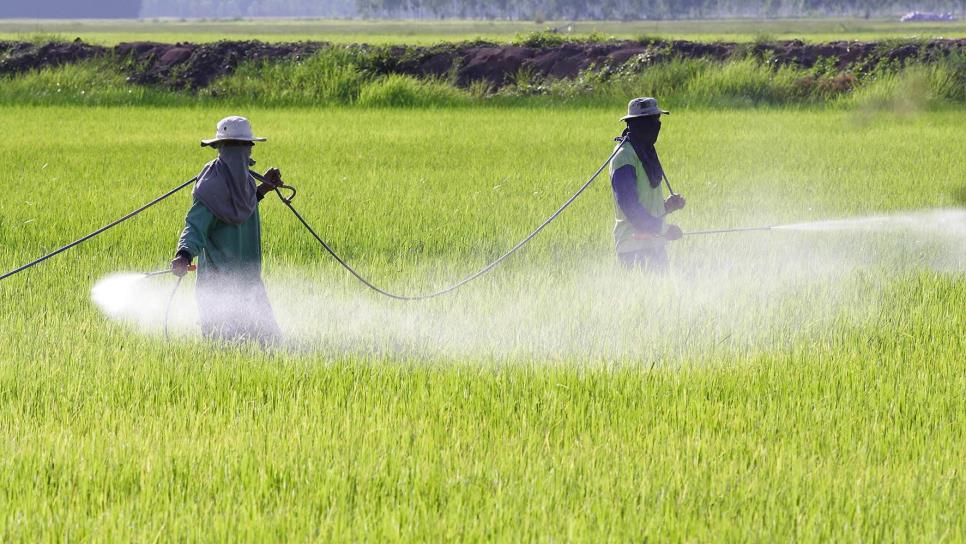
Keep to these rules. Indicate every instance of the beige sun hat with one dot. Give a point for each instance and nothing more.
(233, 128)
(643, 107)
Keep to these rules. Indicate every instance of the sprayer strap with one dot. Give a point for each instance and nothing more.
(98, 231)
(472, 276)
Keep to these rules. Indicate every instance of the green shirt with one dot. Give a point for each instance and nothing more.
(651, 198)
(222, 248)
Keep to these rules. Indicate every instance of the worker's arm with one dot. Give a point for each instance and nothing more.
(624, 183)
(195, 233)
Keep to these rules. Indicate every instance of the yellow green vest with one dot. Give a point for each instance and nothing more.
(652, 198)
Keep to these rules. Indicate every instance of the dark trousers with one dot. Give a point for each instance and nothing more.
(649, 260)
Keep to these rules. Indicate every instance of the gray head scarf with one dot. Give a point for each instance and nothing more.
(226, 188)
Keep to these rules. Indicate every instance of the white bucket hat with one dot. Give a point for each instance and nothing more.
(233, 128)
(643, 107)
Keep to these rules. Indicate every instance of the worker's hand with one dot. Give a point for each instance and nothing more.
(673, 233)
(673, 203)
(273, 177)
(180, 264)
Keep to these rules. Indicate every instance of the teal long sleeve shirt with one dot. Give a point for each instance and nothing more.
(222, 248)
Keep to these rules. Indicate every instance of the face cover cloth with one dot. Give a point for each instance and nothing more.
(643, 132)
(226, 188)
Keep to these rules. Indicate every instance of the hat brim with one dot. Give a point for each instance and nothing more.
(648, 114)
(216, 140)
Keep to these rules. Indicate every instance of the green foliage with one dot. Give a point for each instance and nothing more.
(599, 37)
(541, 39)
(749, 82)
(825, 66)
(479, 89)
(646, 39)
(340, 75)
(343, 76)
(94, 82)
(913, 89)
(763, 38)
(331, 76)
(672, 78)
(524, 77)
(742, 82)
(399, 91)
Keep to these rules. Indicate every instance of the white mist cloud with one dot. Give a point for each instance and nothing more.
(731, 293)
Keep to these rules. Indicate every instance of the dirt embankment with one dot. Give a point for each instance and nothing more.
(16, 57)
(195, 66)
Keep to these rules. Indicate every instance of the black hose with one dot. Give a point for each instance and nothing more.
(98, 231)
(467, 279)
(288, 203)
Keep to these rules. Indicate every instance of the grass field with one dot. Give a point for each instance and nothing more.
(777, 386)
(428, 32)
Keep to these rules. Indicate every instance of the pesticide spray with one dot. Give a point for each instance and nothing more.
(130, 296)
(934, 222)
(726, 294)
(719, 291)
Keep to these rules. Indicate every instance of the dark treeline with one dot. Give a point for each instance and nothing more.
(338, 9)
(633, 10)
(538, 10)
(535, 10)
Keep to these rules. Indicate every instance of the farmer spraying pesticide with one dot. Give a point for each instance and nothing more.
(636, 174)
(223, 230)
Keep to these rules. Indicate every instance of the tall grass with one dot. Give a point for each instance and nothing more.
(90, 83)
(751, 82)
(914, 89)
(399, 91)
(334, 76)
(743, 82)
(330, 77)
(340, 76)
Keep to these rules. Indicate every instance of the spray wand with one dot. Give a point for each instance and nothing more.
(722, 231)
(651, 236)
(191, 268)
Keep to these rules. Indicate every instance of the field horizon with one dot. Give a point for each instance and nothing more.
(426, 32)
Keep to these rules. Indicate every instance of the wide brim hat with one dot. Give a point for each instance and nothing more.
(643, 107)
(234, 128)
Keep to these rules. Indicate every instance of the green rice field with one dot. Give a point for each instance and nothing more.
(110, 32)
(802, 386)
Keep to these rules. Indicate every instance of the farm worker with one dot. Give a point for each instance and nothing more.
(223, 230)
(635, 175)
